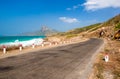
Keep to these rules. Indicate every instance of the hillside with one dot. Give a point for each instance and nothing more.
(109, 28)
(80, 30)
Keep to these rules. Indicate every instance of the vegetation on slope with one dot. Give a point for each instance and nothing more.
(76, 31)
(112, 22)
(111, 28)
(86, 28)
(117, 27)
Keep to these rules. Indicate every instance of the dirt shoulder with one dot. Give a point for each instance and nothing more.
(110, 69)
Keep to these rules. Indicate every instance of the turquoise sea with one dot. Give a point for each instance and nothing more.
(13, 39)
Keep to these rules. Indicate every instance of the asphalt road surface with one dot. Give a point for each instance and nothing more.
(64, 62)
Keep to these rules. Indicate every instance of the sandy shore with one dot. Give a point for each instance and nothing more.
(37, 48)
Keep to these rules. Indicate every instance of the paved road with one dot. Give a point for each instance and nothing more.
(64, 62)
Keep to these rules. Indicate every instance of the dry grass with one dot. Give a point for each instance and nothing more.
(113, 66)
(10, 48)
(114, 50)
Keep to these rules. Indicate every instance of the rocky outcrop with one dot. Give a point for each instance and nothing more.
(117, 35)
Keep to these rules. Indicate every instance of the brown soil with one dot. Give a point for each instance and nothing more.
(111, 69)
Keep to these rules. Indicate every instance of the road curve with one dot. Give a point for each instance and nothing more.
(64, 62)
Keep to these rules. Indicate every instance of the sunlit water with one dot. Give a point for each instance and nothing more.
(24, 40)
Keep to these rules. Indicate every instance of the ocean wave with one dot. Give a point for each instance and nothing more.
(37, 41)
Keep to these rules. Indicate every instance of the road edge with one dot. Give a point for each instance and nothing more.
(89, 66)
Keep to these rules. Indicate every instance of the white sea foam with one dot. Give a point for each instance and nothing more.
(37, 41)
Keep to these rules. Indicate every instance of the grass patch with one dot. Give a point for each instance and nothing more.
(113, 66)
(99, 70)
(99, 67)
(117, 27)
(112, 21)
(78, 30)
(116, 66)
(71, 35)
(116, 74)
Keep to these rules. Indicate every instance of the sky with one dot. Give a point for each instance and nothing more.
(19, 16)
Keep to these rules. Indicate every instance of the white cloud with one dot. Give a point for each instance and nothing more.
(68, 20)
(68, 9)
(74, 7)
(99, 4)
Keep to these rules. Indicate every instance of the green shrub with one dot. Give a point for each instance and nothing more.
(71, 35)
(100, 68)
(117, 27)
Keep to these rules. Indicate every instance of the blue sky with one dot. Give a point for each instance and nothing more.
(19, 16)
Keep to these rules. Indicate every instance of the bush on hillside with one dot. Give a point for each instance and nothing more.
(117, 35)
(117, 27)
